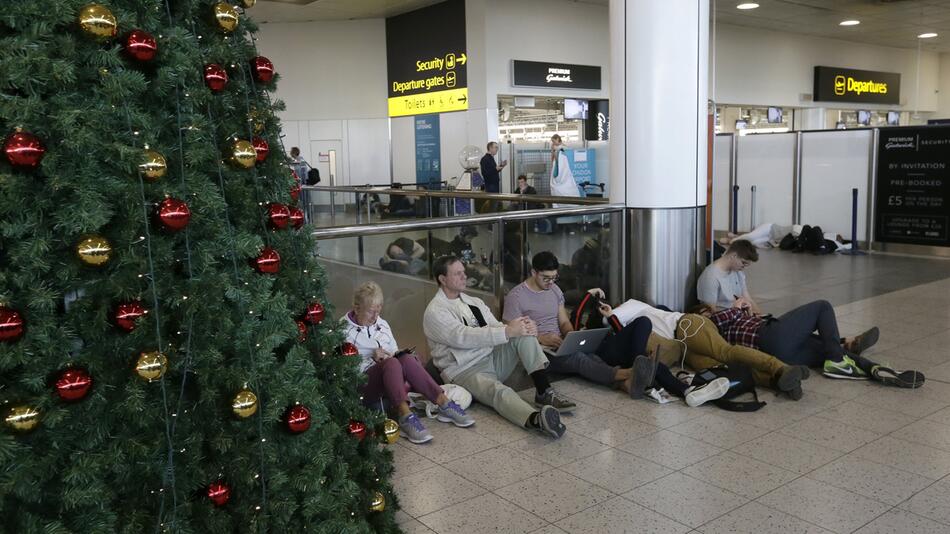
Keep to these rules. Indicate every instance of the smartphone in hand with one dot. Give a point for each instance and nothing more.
(408, 350)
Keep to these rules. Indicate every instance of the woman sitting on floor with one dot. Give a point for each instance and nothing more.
(389, 369)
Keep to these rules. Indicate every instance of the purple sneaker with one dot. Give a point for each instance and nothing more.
(453, 413)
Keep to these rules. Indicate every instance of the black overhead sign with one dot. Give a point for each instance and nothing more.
(426, 60)
(538, 74)
(597, 125)
(835, 84)
(913, 186)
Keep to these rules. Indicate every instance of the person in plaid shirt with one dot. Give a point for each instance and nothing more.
(791, 338)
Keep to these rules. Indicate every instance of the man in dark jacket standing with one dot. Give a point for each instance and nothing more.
(490, 169)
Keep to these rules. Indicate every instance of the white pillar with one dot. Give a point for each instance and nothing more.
(659, 134)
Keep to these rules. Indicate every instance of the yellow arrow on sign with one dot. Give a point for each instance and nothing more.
(463, 59)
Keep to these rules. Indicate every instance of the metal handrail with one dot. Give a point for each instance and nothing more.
(358, 230)
(507, 197)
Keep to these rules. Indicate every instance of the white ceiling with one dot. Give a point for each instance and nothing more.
(894, 23)
(883, 22)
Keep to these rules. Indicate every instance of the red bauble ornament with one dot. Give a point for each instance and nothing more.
(302, 331)
(140, 45)
(216, 78)
(263, 69)
(297, 418)
(349, 349)
(295, 192)
(219, 493)
(315, 313)
(268, 262)
(295, 176)
(127, 314)
(296, 217)
(261, 147)
(73, 384)
(173, 214)
(23, 150)
(11, 324)
(357, 429)
(278, 215)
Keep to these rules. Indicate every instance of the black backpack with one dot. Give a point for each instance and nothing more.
(313, 176)
(812, 238)
(789, 242)
(740, 383)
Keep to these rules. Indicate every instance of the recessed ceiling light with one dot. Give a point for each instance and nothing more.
(849, 23)
(747, 5)
(929, 35)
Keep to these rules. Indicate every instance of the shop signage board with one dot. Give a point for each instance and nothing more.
(428, 149)
(913, 186)
(597, 125)
(562, 75)
(837, 84)
(426, 61)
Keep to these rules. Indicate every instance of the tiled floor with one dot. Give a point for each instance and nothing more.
(848, 457)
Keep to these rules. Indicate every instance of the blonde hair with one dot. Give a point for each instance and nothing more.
(368, 294)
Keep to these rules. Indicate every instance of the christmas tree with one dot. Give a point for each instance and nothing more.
(166, 363)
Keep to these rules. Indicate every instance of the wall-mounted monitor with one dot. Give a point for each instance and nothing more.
(864, 117)
(775, 115)
(742, 124)
(893, 118)
(575, 109)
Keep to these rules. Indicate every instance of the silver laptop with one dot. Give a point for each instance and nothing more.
(580, 341)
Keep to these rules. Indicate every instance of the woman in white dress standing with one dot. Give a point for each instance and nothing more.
(562, 179)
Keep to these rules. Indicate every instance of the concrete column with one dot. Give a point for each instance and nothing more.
(659, 134)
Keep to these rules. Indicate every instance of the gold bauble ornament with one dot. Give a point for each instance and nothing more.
(94, 250)
(151, 365)
(391, 431)
(243, 154)
(379, 502)
(153, 165)
(244, 404)
(248, 3)
(257, 122)
(98, 22)
(22, 418)
(226, 16)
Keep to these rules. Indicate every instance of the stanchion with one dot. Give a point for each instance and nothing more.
(735, 209)
(855, 249)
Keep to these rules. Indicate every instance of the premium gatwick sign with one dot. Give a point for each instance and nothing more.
(540, 74)
(913, 186)
(835, 84)
(426, 60)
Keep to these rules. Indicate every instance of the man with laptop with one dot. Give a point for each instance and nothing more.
(570, 351)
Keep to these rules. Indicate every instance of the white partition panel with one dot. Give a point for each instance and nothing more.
(766, 161)
(834, 162)
(722, 177)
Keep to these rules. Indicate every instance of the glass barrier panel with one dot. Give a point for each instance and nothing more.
(401, 253)
(344, 249)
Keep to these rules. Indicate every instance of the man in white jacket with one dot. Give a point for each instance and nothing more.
(478, 352)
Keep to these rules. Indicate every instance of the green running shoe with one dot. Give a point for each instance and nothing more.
(845, 369)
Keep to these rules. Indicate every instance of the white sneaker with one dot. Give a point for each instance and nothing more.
(699, 395)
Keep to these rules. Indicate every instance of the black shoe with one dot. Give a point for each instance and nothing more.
(864, 341)
(900, 379)
(790, 381)
(549, 422)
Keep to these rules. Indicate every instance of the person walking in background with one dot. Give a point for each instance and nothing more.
(389, 369)
(299, 165)
(491, 169)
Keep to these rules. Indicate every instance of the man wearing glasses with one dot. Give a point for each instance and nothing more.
(611, 364)
(723, 285)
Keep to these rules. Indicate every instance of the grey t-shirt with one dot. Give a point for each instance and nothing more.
(541, 306)
(719, 288)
